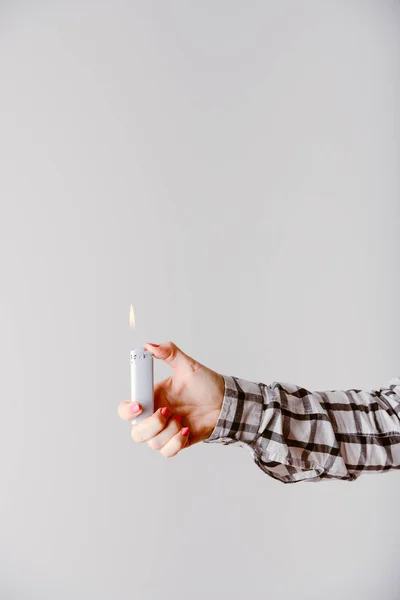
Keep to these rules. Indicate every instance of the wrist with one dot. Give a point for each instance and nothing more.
(240, 415)
(216, 404)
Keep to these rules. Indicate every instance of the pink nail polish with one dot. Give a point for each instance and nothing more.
(178, 418)
(155, 345)
(135, 407)
(165, 412)
(185, 431)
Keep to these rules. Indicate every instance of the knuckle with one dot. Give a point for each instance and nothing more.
(121, 410)
(165, 454)
(168, 453)
(172, 349)
(160, 422)
(153, 444)
(176, 427)
(135, 435)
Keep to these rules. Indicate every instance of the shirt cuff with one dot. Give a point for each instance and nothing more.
(240, 417)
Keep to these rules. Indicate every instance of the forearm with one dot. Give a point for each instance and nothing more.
(298, 435)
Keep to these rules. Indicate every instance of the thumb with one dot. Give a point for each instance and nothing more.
(172, 355)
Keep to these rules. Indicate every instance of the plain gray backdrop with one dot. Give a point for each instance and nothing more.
(232, 169)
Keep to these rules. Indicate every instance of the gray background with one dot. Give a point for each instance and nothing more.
(230, 168)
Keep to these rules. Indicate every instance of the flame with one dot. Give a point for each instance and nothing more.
(131, 317)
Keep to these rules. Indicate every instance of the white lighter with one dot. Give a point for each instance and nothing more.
(142, 382)
(142, 377)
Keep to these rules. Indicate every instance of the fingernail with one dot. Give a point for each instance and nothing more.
(165, 411)
(155, 345)
(135, 407)
(185, 431)
(178, 418)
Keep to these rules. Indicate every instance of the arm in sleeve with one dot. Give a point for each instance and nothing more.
(298, 435)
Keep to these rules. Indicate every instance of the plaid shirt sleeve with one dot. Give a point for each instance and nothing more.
(297, 435)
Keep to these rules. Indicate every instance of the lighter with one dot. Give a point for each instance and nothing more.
(142, 382)
(142, 377)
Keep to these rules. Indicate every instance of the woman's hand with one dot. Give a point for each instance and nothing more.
(186, 404)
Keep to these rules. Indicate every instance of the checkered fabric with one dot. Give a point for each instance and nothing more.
(297, 435)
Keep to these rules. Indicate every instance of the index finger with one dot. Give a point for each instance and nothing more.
(150, 427)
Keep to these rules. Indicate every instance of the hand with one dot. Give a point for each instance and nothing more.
(186, 404)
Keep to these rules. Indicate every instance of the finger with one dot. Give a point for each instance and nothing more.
(172, 355)
(172, 428)
(160, 394)
(176, 444)
(129, 410)
(150, 427)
